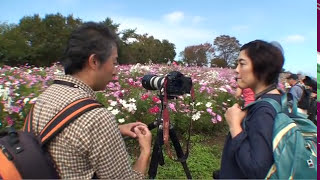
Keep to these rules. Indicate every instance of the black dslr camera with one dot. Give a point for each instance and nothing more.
(177, 83)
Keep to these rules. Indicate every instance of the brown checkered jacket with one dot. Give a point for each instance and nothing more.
(91, 144)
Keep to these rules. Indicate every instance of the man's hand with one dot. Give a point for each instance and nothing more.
(144, 137)
(128, 129)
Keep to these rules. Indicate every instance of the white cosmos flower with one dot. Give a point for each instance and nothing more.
(130, 107)
(208, 104)
(25, 101)
(113, 103)
(223, 89)
(5, 93)
(199, 103)
(196, 116)
(7, 83)
(132, 100)
(121, 120)
(115, 111)
(123, 101)
(110, 108)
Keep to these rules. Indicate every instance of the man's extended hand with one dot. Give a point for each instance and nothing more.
(127, 129)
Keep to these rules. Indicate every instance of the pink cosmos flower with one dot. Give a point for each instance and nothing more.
(115, 78)
(110, 85)
(144, 97)
(155, 99)
(131, 81)
(202, 89)
(214, 120)
(9, 120)
(154, 110)
(172, 107)
(219, 118)
(15, 109)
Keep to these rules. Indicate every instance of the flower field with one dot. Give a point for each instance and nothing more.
(129, 101)
(125, 97)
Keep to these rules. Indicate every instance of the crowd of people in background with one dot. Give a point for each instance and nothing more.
(301, 89)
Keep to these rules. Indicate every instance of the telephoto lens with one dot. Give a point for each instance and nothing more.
(152, 82)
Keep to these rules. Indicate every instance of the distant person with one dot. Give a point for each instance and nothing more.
(296, 90)
(247, 94)
(311, 87)
(169, 62)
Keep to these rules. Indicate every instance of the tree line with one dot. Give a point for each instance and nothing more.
(41, 42)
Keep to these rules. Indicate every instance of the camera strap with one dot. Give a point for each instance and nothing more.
(166, 120)
(166, 124)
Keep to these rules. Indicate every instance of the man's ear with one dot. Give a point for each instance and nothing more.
(93, 63)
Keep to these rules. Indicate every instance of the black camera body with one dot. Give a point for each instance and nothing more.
(177, 83)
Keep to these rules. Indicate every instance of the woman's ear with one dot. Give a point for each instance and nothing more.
(93, 63)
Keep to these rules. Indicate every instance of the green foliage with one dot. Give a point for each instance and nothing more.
(216, 62)
(198, 54)
(41, 42)
(202, 161)
(145, 49)
(227, 48)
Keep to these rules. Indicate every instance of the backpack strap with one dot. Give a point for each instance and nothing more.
(279, 108)
(28, 121)
(285, 107)
(273, 102)
(65, 117)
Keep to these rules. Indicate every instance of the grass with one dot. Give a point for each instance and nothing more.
(204, 158)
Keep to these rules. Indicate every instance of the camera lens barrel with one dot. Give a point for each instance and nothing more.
(152, 82)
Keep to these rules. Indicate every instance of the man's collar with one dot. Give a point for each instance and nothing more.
(78, 82)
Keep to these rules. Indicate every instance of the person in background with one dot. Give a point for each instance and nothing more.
(311, 85)
(296, 90)
(246, 94)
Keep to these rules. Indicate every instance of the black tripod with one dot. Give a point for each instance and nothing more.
(157, 155)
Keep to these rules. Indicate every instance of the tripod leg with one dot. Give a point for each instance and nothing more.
(179, 152)
(157, 156)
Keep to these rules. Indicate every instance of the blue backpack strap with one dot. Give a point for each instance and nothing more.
(273, 102)
(279, 108)
(284, 104)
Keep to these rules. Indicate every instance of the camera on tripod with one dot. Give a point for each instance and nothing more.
(170, 86)
(177, 83)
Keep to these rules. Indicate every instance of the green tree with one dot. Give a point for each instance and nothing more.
(227, 48)
(109, 23)
(216, 62)
(41, 41)
(13, 45)
(145, 48)
(198, 54)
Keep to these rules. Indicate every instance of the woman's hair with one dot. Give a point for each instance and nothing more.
(90, 38)
(267, 59)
